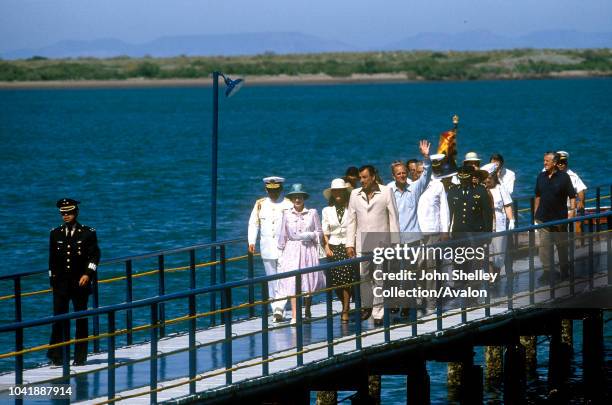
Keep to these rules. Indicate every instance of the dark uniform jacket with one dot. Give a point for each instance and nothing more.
(71, 256)
(470, 211)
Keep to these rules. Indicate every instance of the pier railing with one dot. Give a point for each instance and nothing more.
(590, 276)
(218, 256)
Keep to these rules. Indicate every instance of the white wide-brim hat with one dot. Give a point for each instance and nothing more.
(337, 184)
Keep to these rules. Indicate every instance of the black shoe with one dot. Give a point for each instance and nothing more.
(378, 322)
(57, 362)
(394, 310)
(405, 313)
(79, 362)
(366, 313)
(545, 278)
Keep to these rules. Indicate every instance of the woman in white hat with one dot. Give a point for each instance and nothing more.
(298, 241)
(335, 222)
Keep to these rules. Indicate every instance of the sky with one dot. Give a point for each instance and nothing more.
(37, 23)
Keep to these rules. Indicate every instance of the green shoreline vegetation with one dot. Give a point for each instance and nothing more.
(417, 65)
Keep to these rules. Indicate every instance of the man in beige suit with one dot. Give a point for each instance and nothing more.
(373, 221)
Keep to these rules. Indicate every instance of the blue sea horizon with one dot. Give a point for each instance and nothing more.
(139, 159)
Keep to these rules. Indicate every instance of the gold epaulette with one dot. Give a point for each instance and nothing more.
(258, 207)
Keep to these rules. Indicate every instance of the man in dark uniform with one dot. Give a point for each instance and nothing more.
(469, 205)
(470, 213)
(73, 259)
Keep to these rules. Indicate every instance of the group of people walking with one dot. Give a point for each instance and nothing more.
(425, 199)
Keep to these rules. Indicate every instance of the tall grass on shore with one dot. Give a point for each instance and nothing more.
(421, 65)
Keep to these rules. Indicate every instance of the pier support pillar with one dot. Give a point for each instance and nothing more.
(531, 354)
(567, 332)
(368, 392)
(559, 363)
(593, 356)
(327, 397)
(493, 364)
(417, 385)
(514, 374)
(465, 381)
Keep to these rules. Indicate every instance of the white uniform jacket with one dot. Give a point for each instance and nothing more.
(266, 218)
(432, 210)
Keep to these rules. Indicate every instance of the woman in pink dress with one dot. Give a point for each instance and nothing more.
(299, 241)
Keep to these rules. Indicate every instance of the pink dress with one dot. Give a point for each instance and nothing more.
(299, 240)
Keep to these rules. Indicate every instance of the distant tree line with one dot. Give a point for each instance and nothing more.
(414, 65)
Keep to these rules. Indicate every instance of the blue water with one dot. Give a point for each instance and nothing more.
(139, 159)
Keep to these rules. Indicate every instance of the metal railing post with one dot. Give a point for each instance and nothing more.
(531, 266)
(329, 317)
(250, 275)
(129, 296)
(161, 291)
(213, 281)
(18, 332)
(299, 323)
(532, 210)
(591, 256)
(598, 207)
(111, 355)
(357, 295)
(487, 284)
(508, 262)
(438, 301)
(227, 343)
(551, 261)
(153, 354)
(265, 369)
(386, 317)
(96, 318)
(65, 350)
(192, 324)
(609, 245)
(572, 255)
(222, 279)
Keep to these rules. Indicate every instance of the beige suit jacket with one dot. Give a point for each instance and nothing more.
(371, 223)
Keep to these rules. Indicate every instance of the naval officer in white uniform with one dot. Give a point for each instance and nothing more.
(266, 219)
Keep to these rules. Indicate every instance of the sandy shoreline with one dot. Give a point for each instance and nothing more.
(259, 80)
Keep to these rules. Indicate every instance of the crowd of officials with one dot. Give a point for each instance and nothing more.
(426, 198)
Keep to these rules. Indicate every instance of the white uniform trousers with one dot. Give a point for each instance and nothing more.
(270, 266)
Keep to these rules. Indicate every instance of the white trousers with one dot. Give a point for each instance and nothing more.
(270, 266)
(368, 300)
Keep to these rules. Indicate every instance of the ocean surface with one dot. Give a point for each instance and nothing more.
(139, 159)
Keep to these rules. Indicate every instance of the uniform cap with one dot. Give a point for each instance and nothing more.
(563, 155)
(465, 172)
(273, 182)
(490, 167)
(67, 204)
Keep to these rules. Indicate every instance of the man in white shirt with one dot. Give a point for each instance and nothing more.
(577, 182)
(432, 209)
(266, 219)
(506, 177)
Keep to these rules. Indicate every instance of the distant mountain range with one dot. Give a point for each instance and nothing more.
(294, 42)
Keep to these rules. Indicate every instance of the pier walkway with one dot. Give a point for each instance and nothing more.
(240, 353)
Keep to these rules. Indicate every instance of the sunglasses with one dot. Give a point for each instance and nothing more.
(66, 213)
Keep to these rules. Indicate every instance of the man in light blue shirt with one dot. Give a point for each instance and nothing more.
(407, 196)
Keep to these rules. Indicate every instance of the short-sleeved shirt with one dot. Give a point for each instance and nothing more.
(553, 192)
